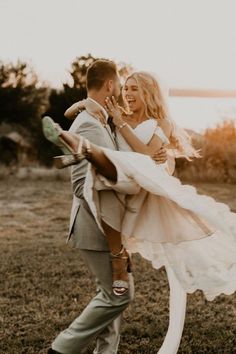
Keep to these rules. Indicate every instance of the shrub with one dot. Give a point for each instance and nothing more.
(218, 161)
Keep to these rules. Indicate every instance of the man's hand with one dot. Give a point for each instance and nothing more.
(160, 156)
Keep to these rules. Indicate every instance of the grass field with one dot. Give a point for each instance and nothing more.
(44, 284)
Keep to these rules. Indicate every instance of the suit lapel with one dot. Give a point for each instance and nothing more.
(112, 136)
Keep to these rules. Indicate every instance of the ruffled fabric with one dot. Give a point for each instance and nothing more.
(169, 223)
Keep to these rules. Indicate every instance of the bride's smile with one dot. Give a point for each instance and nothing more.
(132, 95)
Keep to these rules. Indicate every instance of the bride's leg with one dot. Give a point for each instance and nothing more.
(120, 260)
(96, 155)
(69, 143)
(113, 238)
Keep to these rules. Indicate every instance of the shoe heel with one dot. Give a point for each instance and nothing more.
(64, 161)
(67, 160)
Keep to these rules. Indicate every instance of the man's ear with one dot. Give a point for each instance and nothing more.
(109, 85)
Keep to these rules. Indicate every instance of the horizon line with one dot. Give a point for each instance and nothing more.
(176, 92)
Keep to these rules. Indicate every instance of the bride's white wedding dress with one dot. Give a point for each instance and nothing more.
(169, 224)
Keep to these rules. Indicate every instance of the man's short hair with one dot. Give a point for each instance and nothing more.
(99, 72)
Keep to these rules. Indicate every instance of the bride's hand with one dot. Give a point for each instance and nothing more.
(114, 111)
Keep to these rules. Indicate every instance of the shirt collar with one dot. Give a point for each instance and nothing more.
(102, 108)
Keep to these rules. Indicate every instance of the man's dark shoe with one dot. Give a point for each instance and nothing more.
(51, 351)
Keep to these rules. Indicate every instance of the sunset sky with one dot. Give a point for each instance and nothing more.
(189, 43)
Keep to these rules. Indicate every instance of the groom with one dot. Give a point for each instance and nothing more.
(101, 318)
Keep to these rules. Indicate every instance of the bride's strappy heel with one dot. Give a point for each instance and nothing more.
(121, 266)
(53, 132)
(84, 149)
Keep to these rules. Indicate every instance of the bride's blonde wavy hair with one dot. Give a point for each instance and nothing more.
(150, 94)
(155, 104)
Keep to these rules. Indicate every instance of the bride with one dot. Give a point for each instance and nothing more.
(167, 222)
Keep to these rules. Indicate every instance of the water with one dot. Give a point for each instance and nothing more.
(199, 114)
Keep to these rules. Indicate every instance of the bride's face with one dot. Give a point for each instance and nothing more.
(132, 95)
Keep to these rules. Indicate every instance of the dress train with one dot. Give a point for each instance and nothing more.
(177, 308)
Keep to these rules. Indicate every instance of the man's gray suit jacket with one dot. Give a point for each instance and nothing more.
(84, 232)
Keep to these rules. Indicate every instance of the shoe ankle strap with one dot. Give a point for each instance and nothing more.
(119, 253)
(80, 146)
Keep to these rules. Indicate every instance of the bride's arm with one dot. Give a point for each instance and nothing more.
(75, 109)
(131, 138)
(136, 144)
(91, 107)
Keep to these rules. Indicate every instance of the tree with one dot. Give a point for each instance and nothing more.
(60, 100)
(79, 69)
(23, 97)
(24, 100)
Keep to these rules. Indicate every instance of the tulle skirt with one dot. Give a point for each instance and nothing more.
(169, 223)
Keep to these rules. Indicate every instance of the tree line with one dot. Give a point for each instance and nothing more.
(24, 100)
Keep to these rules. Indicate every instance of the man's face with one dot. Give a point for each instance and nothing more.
(116, 87)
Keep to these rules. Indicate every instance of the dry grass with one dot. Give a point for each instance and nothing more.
(44, 284)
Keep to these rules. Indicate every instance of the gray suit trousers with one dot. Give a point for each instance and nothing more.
(101, 318)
